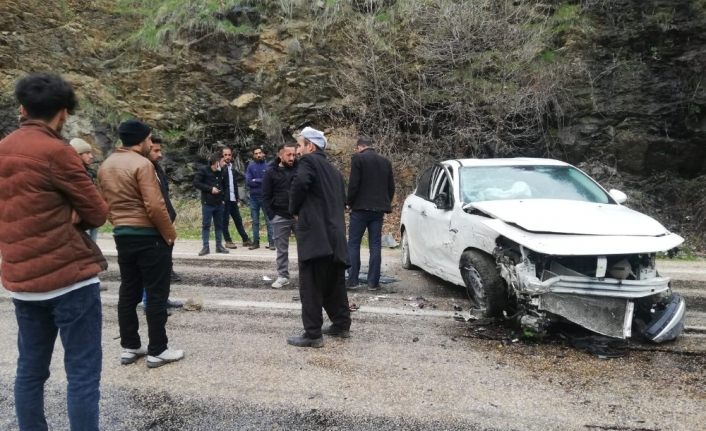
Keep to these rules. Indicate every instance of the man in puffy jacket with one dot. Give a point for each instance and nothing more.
(275, 202)
(209, 180)
(144, 236)
(49, 264)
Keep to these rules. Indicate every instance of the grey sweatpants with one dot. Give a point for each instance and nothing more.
(282, 229)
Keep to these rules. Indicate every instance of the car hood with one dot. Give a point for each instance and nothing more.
(572, 217)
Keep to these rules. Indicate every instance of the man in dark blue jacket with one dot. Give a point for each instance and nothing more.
(209, 179)
(317, 200)
(254, 175)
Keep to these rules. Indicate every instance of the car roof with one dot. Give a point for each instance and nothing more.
(514, 161)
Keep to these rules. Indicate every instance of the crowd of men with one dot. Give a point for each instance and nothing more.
(51, 204)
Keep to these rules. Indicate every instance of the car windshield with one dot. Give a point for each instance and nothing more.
(492, 183)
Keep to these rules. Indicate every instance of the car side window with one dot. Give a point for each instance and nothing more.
(441, 188)
(424, 184)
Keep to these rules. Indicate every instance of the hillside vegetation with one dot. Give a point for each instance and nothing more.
(612, 86)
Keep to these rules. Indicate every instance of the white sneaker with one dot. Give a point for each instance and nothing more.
(280, 282)
(164, 358)
(129, 356)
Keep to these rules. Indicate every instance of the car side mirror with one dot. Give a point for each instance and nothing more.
(619, 196)
(442, 201)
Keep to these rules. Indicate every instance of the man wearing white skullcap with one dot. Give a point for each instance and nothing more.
(317, 200)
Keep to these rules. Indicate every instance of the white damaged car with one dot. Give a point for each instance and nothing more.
(539, 241)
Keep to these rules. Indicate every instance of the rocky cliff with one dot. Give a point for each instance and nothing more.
(613, 86)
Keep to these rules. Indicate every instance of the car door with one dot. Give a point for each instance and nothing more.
(414, 217)
(438, 211)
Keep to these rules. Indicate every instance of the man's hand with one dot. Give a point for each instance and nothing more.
(215, 191)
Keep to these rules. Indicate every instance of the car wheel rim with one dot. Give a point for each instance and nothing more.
(475, 282)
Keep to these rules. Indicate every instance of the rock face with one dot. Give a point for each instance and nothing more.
(641, 101)
(632, 109)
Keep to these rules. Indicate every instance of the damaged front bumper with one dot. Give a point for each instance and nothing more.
(613, 307)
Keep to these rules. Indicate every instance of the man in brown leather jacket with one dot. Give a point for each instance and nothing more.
(144, 236)
(49, 264)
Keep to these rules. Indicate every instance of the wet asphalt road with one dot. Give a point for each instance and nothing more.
(408, 365)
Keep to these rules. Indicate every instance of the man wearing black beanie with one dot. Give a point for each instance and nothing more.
(144, 236)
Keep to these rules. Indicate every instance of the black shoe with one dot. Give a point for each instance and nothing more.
(204, 251)
(175, 277)
(221, 249)
(336, 332)
(271, 247)
(254, 245)
(246, 243)
(374, 288)
(304, 341)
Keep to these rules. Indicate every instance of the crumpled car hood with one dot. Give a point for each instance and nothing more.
(572, 217)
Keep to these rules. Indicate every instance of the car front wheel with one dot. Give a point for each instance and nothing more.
(483, 283)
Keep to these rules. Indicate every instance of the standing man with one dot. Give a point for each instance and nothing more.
(209, 179)
(275, 202)
(231, 198)
(144, 236)
(85, 152)
(155, 157)
(45, 194)
(317, 201)
(371, 188)
(253, 177)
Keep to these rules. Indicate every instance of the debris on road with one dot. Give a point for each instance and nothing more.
(193, 304)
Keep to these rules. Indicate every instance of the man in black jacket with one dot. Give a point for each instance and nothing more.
(155, 157)
(231, 199)
(371, 188)
(275, 202)
(209, 179)
(317, 200)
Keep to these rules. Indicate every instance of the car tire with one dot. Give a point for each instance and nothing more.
(484, 285)
(406, 257)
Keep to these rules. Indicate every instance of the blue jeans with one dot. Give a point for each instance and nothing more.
(77, 318)
(208, 213)
(255, 206)
(359, 222)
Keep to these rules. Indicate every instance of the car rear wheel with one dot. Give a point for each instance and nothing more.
(484, 285)
(406, 259)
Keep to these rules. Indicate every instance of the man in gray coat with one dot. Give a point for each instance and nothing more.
(317, 200)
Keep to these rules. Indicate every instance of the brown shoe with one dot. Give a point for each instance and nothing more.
(247, 243)
(230, 245)
(254, 246)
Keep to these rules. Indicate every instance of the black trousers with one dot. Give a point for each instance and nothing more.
(145, 262)
(322, 283)
(232, 211)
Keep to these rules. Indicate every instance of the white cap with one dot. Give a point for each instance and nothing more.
(316, 137)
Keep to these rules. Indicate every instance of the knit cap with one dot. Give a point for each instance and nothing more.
(132, 132)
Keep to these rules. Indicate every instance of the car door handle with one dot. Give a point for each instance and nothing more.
(424, 213)
(453, 230)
